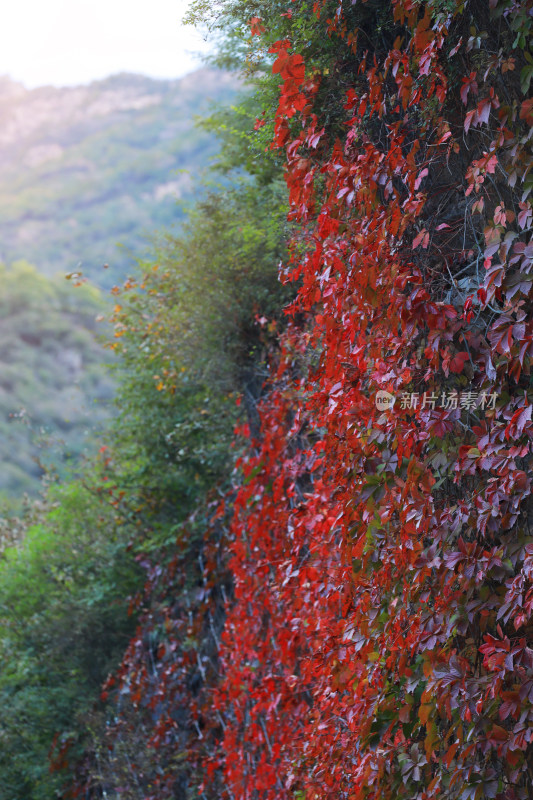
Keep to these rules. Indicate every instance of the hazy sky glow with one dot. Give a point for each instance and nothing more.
(68, 42)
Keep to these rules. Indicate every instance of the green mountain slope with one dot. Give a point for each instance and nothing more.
(54, 389)
(83, 168)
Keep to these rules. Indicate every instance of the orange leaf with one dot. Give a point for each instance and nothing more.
(424, 712)
(451, 752)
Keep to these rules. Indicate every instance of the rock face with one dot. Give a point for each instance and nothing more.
(82, 168)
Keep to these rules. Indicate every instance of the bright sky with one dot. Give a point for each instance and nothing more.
(68, 42)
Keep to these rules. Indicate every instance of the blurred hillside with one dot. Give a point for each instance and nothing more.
(82, 168)
(54, 390)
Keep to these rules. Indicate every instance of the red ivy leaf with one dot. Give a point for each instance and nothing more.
(458, 361)
(469, 84)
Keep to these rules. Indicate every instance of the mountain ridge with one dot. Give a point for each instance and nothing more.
(84, 167)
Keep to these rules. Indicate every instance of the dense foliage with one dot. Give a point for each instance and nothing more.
(338, 594)
(63, 624)
(185, 342)
(379, 644)
(188, 342)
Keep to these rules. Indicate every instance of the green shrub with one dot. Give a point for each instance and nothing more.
(63, 626)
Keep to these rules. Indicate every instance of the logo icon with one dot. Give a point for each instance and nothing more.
(384, 400)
